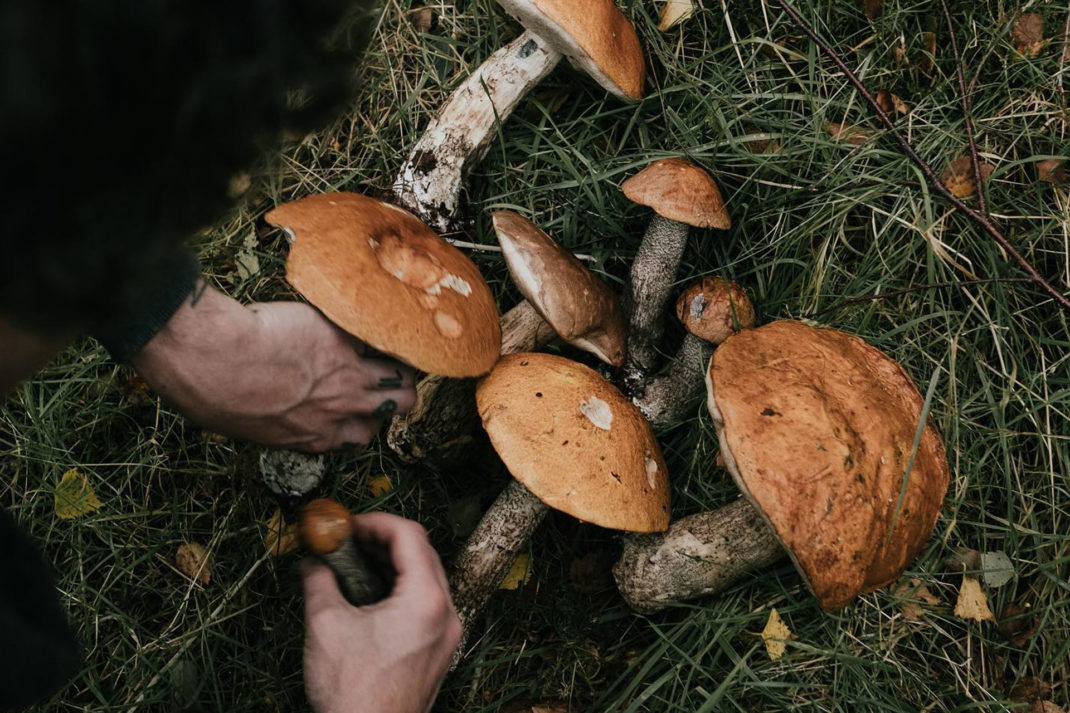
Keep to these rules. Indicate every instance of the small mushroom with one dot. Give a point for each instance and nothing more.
(573, 443)
(711, 310)
(384, 277)
(817, 429)
(682, 195)
(326, 529)
(594, 35)
(582, 309)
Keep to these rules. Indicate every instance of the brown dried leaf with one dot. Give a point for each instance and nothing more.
(853, 135)
(959, 179)
(1016, 624)
(673, 12)
(193, 561)
(889, 102)
(873, 9)
(972, 602)
(1028, 34)
(281, 536)
(913, 594)
(927, 61)
(1029, 690)
(422, 19)
(1052, 170)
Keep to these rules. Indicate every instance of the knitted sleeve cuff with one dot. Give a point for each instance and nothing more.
(125, 334)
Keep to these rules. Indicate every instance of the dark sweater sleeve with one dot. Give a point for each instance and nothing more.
(173, 279)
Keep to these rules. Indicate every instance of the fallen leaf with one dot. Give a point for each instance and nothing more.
(889, 102)
(927, 62)
(1029, 690)
(776, 635)
(963, 559)
(380, 486)
(853, 135)
(674, 12)
(959, 179)
(972, 602)
(1016, 624)
(913, 594)
(1052, 170)
(422, 19)
(1028, 34)
(192, 560)
(281, 536)
(519, 574)
(997, 569)
(873, 9)
(74, 496)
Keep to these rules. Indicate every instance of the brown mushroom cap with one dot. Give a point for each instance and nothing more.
(387, 279)
(324, 525)
(581, 308)
(817, 428)
(575, 442)
(679, 190)
(714, 309)
(595, 36)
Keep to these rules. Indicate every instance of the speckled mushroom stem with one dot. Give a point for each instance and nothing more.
(652, 276)
(490, 551)
(698, 555)
(437, 431)
(430, 182)
(669, 395)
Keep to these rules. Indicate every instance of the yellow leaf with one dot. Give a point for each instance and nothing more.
(972, 602)
(192, 559)
(776, 635)
(380, 486)
(281, 537)
(74, 496)
(519, 574)
(674, 12)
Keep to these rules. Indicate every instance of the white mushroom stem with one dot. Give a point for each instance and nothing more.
(431, 180)
(651, 280)
(490, 552)
(699, 555)
(439, 427)
(669, 395)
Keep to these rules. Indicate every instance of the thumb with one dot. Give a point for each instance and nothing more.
(321, 588)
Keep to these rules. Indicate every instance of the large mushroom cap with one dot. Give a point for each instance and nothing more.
(386, 278)
(679, 190)
(575, 442)
(817, 428)
(595, 36)
(581, 308)
(714, 309)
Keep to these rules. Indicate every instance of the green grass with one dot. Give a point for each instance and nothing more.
(815, 222)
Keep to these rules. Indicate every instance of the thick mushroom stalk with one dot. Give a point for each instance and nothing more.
(671, 394)
(430, 182)
(699, 555)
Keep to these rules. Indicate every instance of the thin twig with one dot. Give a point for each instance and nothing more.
(914, 288)
(975, 160)
(934, 181)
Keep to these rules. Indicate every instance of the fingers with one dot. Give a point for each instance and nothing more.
(356, 431)
(321, 588)
(386, 375)
(415, 561)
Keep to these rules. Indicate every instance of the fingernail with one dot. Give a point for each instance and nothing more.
(387, 408)
(391, 382)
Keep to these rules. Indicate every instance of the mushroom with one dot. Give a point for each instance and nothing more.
(384, 277)
(682, 195)
(817, 429)
(595, 36)
(711, 310)
(573, 443)
(326, 529)
(582, 309)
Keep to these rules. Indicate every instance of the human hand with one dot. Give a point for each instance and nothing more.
(389, 657)
(275, 373)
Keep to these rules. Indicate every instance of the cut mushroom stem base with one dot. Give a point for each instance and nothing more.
(699, 555)
(439, 428)
(430, 182)
(652, 276)
(669, 395)
(489, 553)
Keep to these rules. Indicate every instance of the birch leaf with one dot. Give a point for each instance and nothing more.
(998, 568)
(519, 574)
(74, 496)
(192, 559)
(380, 486)
(281, 537)
(776, 635)
(972, 602)
(673, 12)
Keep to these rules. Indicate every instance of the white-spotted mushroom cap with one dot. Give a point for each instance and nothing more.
(714, 309)
(817, 429)
(383, 276)
(594, 35)
(582, 309)
(679, 190)
(575, 442)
